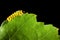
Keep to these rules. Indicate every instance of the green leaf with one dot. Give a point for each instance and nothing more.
(26, 27)
(59, 37)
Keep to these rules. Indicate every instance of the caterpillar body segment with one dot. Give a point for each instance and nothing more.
(17, 13)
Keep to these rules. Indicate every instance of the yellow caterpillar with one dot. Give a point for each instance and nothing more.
(17, 13)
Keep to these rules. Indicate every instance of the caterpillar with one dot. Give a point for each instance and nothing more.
(13, 15)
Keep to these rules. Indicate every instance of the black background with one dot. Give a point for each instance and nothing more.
(46, 11)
